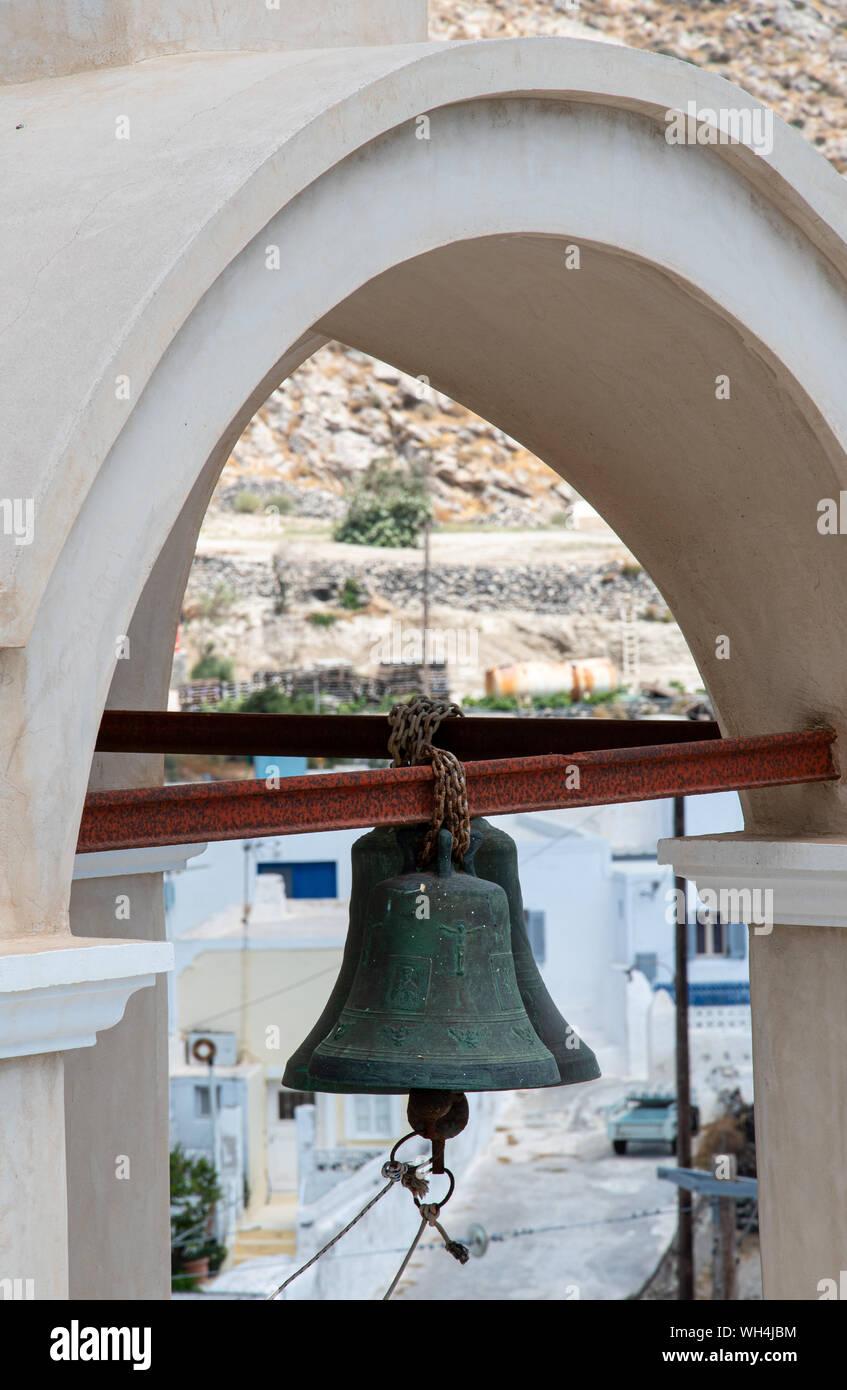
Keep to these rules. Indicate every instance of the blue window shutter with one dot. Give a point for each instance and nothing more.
(317, 878)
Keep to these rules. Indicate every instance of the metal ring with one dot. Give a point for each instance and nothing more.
(444, 1200)
(412, 1135)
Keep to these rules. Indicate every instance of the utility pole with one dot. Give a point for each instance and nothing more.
(245, 941)
(427, 684)
(724, 1267)
(685, 1200)
(427, 532)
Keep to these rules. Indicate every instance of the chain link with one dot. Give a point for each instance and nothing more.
(414, 724)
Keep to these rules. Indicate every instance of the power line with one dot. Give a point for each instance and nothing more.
(523, 1231)
(261, 999)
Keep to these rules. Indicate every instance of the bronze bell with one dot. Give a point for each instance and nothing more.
(378, 855)
(435, 1002)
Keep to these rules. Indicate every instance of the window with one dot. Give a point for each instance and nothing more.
(648, 964)
(202, 1102)
(535, 930)
(371, 1117)
(711, 936)
(287, 1100)
(315, 879)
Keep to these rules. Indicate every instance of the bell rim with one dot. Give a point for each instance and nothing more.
(402, 1077)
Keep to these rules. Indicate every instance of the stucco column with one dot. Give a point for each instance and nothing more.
(793, 893)
(116, 1114)
(33, 1219)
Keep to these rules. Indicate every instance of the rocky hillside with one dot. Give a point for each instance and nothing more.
(787, 53)
(305, 449)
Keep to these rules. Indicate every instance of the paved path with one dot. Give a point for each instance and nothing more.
(550, 1164)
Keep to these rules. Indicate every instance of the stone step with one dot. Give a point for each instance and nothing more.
(260, 1241)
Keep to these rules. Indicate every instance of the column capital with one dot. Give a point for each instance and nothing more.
(115, 863)
(805, 877)
(58, 992)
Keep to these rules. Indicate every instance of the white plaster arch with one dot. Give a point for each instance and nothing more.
(453, 220)
(128, 235)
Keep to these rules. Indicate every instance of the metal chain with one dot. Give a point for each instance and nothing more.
(450, 808)
(414, 724)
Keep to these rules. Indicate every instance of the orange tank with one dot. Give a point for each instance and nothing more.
(594, 676)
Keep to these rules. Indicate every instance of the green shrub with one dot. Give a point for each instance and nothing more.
(212, 667)
(195, 1192)
(604, 697)
(561, 699)
(247, 501)
(272, 700)
(322, 619)
(351, 595)
(390, 507)
(280, 501)
(507, 703)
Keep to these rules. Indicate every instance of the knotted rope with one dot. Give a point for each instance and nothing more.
(414, 724)
(430, 1212)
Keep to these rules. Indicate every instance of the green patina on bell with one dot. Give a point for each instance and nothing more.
(435, 1002)
(379, 855)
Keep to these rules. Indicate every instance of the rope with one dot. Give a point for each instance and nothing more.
(430, 1212)
(406, 1258)
(405, 1173)
(414, 724)
(329, 1244)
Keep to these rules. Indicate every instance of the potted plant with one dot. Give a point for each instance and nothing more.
(195, 1192)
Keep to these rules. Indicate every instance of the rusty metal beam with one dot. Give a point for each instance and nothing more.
(366, 735)
(192, 812)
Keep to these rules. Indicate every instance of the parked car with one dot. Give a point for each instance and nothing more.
(647, 1117)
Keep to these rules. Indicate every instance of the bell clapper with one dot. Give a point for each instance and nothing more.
(437, 1116)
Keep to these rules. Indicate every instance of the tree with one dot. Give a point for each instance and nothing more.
(212, 667)
(195, 1191)
(390, 507)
